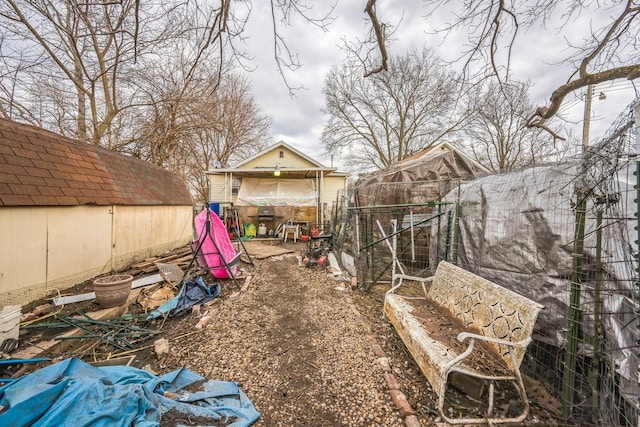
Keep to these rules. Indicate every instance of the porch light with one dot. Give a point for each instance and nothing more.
(276, 171)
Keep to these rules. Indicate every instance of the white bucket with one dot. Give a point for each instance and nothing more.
(10, 322)
(262, 229)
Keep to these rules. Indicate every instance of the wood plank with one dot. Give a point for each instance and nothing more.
(149, 261)
(275, 252)
(182, 259)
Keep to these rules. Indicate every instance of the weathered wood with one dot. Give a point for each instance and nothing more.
(274, 252)
(36, 350)
(148, 262)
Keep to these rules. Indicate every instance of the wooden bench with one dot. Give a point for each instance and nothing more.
(455, 306)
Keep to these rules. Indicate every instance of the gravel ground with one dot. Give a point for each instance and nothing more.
(296, 347)
(306, 348)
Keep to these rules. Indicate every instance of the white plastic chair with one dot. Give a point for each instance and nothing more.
(290, 228)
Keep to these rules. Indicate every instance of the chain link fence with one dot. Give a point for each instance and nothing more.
(564, 235)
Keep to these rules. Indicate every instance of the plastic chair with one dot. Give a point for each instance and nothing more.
(291, 228)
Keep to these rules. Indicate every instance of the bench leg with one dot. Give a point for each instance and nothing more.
(516, 380)
(490, 407)
(489, 415)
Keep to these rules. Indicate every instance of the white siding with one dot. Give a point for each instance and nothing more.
(218, 191)
(270, 159)
(332, 185)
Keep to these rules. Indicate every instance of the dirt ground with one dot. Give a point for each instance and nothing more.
(299, 342)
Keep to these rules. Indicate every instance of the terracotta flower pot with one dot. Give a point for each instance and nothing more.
(112, 291)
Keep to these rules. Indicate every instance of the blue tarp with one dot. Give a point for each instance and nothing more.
(193, 291)
(73, 392)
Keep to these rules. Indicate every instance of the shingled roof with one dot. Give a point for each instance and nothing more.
(41, 168)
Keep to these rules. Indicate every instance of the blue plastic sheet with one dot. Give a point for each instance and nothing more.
(73, 392)
(192, 292)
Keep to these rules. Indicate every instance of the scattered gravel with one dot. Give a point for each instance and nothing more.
(296, 347)
(302, 345)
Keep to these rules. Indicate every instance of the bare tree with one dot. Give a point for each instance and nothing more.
(497, 135)
(236, 128)
(608, 51)
(89, 44)
(96, 48)
(196, 130)
(95, 52)
(230, 127)
(389, 116)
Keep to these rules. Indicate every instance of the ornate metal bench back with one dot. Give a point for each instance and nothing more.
(484, 307)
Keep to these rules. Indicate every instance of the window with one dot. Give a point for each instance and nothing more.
(282, 154)
(235, 185)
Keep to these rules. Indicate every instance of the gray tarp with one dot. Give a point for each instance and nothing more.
(517, 230)
(433, 169)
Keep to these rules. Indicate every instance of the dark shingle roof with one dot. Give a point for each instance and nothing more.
(41, 168)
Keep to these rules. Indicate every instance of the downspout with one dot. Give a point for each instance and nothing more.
(320, 197)
(317, 189)
(113, 234)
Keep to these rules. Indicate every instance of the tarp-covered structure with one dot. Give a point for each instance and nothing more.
(518, 230)
(428, 172)
(407, 194)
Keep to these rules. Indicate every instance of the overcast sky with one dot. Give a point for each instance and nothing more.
(299, 120)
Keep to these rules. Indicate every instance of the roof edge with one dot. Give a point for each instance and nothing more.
(275, 146)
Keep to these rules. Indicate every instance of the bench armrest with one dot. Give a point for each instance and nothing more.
(464, 335)
(401, 277)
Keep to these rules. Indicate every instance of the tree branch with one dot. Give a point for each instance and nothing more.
(380, 39)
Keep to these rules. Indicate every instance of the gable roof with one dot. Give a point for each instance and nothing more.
(280, 144)
(249, 167)
(41, 168)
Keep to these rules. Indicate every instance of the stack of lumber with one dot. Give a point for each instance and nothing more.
(180, 257)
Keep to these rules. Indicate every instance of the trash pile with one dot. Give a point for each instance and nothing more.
(73, 392)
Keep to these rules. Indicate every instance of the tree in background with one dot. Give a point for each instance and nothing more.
(74, 67)
(389, 116)
(82, 51)
(605, 50)
(95, 54)
(228, 126)
(191, 132)
(497, 135)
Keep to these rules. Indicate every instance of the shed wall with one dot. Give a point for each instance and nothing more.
(44, 250)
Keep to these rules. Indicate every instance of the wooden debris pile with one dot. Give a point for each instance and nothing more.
(180, 257)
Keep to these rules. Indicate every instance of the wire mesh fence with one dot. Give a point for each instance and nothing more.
(563, 235)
